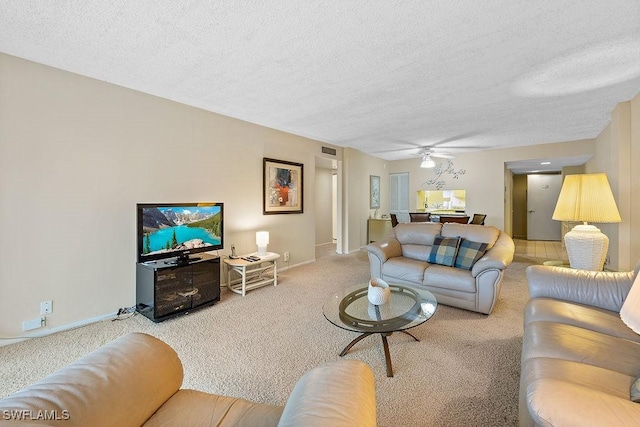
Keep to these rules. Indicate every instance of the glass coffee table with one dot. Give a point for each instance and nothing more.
(407, 308)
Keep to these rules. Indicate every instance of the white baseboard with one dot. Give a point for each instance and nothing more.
(300, 264)
(45, 332)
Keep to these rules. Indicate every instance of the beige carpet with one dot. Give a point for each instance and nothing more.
(464, 370)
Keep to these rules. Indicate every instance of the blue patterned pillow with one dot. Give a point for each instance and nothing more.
(444, 250)
(468, 253)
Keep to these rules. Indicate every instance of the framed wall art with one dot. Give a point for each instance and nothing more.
(374, 187)
(282, 187)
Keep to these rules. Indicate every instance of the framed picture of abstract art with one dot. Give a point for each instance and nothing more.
(374, 188)
(282, 187)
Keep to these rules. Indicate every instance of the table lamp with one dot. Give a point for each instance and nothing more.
(262, 240)
(586, 198)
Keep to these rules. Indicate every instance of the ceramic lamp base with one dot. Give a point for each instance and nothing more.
(587, 247)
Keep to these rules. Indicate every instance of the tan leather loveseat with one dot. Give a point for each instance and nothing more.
(136, 379)
(402, 258)
(579, 359)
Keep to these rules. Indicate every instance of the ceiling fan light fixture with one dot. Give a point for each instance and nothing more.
(427, 163)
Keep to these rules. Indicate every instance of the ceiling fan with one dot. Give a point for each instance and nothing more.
(430, 151)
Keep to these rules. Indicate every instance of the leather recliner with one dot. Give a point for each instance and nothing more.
(136, 380)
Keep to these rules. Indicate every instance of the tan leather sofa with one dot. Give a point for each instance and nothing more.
(136, 379)
(402, 258)
(578, 358)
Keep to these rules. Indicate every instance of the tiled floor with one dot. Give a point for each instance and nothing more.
(551, 250)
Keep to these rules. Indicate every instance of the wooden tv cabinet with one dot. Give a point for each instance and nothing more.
(165, 290)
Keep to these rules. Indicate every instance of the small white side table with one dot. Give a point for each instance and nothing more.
(252, 274)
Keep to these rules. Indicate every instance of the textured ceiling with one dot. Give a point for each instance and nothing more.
(381, 76)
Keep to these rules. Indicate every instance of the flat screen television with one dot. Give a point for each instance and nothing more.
(177, 230)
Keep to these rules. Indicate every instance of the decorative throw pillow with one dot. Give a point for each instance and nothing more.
(468, 253)
(635, 391)
(444, 250)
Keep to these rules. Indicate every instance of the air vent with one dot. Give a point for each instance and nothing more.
(327, 150)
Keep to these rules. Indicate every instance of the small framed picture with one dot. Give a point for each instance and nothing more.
(374, 196)
(282, 187)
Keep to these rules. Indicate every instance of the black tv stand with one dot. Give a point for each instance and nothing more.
(164, 290)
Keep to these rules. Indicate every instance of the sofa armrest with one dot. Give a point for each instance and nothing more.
(336, 394)
(600, 289)
(499, 256)
(385, 249)
(553, 402)
(122, 383)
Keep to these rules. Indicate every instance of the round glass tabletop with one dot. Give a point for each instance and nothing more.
(408, 307)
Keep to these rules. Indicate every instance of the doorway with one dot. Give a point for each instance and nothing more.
(542, 194)
(327, 206)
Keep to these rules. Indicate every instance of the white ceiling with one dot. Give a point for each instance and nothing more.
(381, 76)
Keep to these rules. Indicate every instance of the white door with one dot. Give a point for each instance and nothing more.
(542, 195)
(399, 195)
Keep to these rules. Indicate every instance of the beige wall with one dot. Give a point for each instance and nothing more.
(634, 182)
(485, 179)
(617, 149)
(77, 154)
(357, 169)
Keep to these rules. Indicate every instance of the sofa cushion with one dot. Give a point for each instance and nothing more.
(196, 408)
(420, 252)
(577, 373)
(450, 280)
(404, 270)
(417, 233)
(468, 253)
(477, 233)
(444, 250)
(559, 341)
(562, 393)
(570, 313)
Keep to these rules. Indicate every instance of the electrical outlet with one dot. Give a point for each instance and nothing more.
(46, 307)
(286, 257)
(28, 325)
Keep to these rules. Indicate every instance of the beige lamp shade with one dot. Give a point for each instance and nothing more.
(630, 311)
(586, 198)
